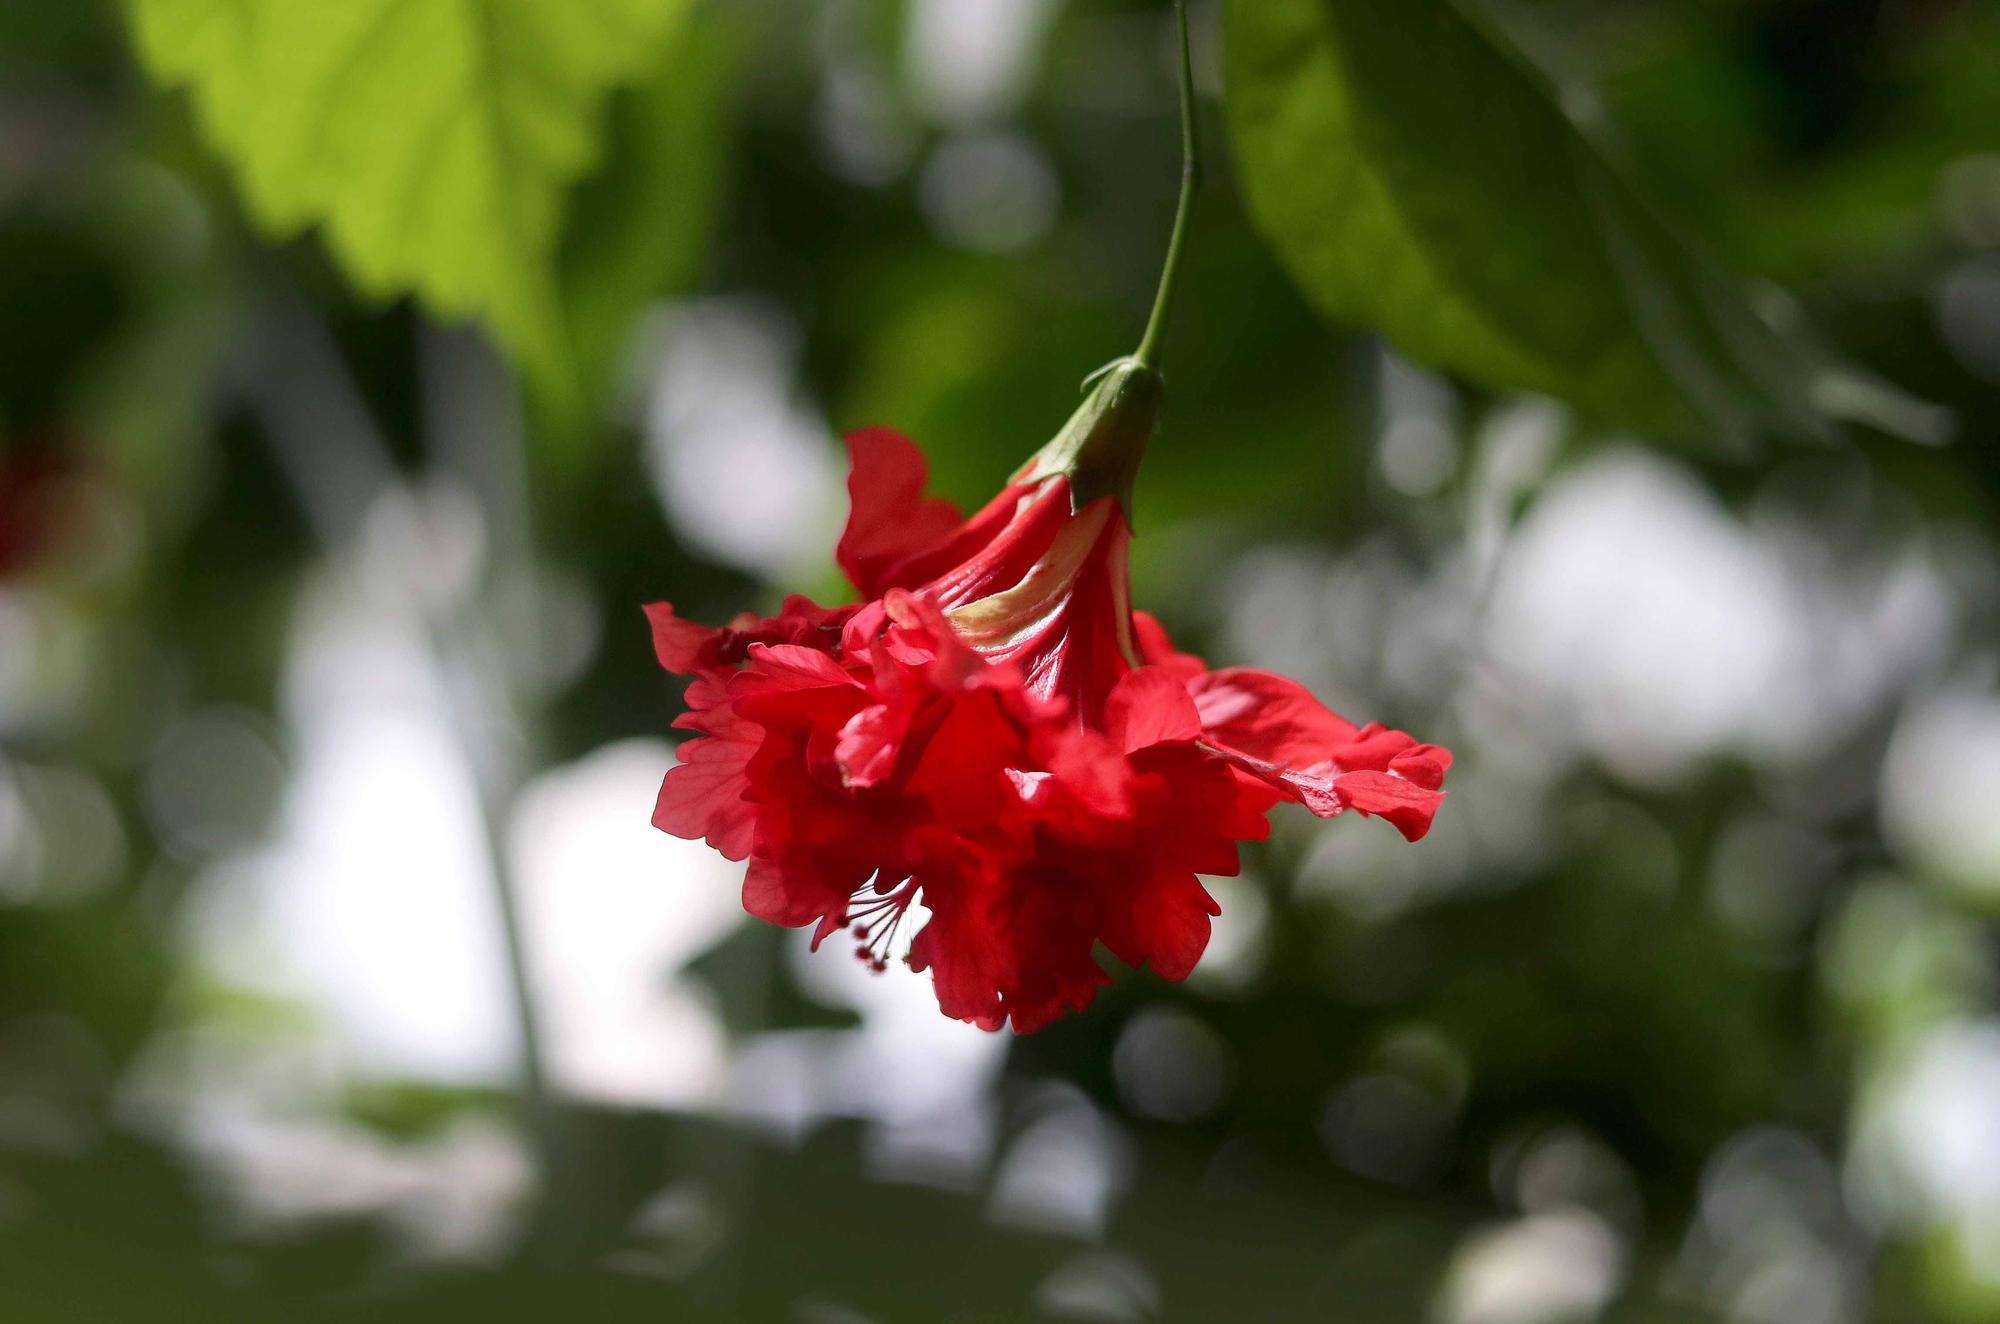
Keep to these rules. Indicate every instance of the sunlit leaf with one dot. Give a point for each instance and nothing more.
(435, 141)
(1417, 174)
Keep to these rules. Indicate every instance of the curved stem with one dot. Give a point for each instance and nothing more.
(1147, 355)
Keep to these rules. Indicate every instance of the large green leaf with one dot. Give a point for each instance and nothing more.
(436, 141)
(1416, 174)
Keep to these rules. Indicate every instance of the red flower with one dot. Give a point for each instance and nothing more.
(995, 731)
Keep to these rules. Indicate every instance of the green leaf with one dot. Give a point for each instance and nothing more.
(435, 141)
(1415, 173)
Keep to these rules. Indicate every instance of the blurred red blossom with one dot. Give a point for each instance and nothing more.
(32, 479)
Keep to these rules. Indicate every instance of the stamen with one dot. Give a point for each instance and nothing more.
(876, 923)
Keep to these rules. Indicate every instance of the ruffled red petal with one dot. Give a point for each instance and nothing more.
(889, 520)
(1165, 926)
(682, 646)
(688, 649)
(1406, 806)
(1015, 947)
(1272, 729)
(1150, 706)
(701, 797)
(1267, 716)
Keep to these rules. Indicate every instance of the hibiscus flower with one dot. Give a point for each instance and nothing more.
(994, 732)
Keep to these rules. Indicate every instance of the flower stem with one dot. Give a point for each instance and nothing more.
(1148, 353)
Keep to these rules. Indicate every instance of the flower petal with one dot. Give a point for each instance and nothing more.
(962, 776)
(1408, 807)
(1268, 717)
(1089, 791)
(790, 897)
(1425, 765)
(1014, 948)
(1166, 926)
(1150, 706)
(869, 743)
(1272, 729)
(786, 668)
(682, 646)
(889, 521)
(701, 797)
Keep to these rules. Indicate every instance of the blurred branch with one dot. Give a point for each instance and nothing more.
(333, 456)
(315, 422)
(472, 424)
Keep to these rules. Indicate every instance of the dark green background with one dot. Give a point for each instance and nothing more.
(1559, 971)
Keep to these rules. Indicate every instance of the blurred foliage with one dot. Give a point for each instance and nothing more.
(205, 332)
(1380, 146)
(441, 146)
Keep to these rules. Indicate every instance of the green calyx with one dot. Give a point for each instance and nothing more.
(1100, 448)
